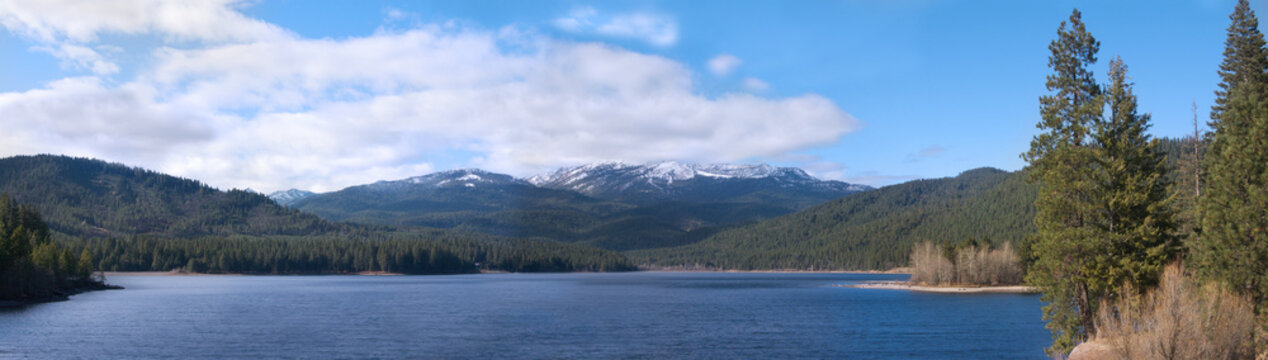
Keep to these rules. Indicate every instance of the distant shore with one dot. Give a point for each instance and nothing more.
(898, 271)
(187, 273)
(901, 270)
(898, 285)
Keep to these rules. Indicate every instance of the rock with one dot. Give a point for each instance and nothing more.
(1092, 350)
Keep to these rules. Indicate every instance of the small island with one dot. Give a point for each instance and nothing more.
(969, 267)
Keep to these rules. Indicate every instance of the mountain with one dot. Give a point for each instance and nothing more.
(135, 219)
(496, 204)
(869, 230)
(681, 203)
(92, 198)
(674, 181)
(450, 198)
(288, 197)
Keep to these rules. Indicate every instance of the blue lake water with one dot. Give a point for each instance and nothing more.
(649, 315)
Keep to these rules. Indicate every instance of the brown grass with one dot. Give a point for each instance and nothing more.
(1178, 320)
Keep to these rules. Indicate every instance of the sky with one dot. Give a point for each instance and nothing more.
(321, 95)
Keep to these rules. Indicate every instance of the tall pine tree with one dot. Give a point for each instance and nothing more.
(1244, 57)
(1104, 215)
(1062, 160)
(1137, 217)
(1233, 245)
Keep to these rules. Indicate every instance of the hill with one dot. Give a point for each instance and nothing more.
(92, 198)
(135, 219)
(869, 230)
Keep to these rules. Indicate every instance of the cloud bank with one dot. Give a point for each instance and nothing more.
(255, 106)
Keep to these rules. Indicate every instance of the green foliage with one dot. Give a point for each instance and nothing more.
(1233, 244)
(1061, 162)
(1104, 215)
(1245, 59)
(407, 253)
(869, 230)
(1134, 183)
(92, 198)
(31, 266)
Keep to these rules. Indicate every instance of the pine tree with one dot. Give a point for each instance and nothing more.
(1233, 245)
(1137, 217)
(1244, 57)
(1061, 160)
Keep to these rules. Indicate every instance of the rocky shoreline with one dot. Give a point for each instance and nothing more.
(61, 295)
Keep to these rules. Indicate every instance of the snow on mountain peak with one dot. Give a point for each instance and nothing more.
(457, 177)
(667, 172)
(287, 197)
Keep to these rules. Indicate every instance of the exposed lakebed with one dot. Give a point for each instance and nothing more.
(619, 315)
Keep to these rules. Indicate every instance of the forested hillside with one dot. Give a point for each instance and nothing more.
(134, 219)
(869, 230)
(496, 204)
(93, 198)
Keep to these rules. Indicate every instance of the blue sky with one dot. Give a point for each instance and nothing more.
(325, 94)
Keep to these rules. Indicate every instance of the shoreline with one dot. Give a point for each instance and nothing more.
(60, 296)
(894, 271)
(898, 271)
(895, 285)
(186, 273)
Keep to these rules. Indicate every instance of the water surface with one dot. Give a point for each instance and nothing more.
(648, 315)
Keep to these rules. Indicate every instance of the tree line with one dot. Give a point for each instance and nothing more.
(405, 253)
(1109, 214)
(32, 267)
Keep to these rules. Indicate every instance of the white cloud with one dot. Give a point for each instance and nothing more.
(82, 116)
(324, 114)
(81, 21)
(579, 19)
(655, 29)
(80, 57)
(755, 85)
(724, 64)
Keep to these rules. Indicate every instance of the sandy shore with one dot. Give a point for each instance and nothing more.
(895, 285)
(779, 271)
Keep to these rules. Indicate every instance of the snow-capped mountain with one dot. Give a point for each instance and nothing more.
(451, 178)
(612, 205)
(288, 197)
(671, 180)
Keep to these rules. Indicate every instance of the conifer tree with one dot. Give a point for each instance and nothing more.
(1233, 245)
(1137, 217)
(1245, 59)
(1062, 160)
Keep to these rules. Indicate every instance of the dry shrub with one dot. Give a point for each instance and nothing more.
(1178, 320)
(973, 265)
(983, 266)
(928, 266)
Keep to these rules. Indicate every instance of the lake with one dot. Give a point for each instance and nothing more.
(642, 315)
